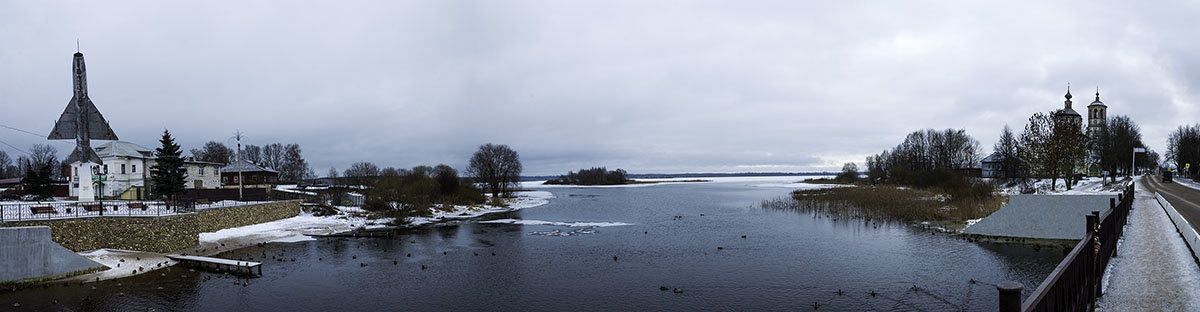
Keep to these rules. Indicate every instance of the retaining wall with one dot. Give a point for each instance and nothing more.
(28, 255)
(1182, 226)
(163, 234)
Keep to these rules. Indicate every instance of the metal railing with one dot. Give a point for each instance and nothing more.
(1074, 284)
(27, 211)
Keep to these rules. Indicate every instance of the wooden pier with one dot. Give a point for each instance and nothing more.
(218, 264)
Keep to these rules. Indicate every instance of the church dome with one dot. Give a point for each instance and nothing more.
(1097, 102)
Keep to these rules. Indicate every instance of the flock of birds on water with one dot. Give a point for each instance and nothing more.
(281, 257)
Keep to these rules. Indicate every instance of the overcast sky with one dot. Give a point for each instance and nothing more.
(648, 86)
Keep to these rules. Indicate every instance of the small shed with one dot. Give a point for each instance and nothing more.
(253, 174)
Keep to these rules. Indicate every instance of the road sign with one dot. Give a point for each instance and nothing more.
(100, 178)
(1139, 150)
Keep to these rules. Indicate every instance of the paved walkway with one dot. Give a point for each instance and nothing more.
(1153, 270)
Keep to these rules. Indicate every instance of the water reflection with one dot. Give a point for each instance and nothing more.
(769, 259)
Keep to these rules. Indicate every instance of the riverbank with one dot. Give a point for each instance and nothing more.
(303, 227)
(889, 203)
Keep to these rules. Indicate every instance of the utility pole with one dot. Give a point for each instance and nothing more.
(238, 135)
(1133, 160)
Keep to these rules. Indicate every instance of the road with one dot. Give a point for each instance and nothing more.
(1185, 199)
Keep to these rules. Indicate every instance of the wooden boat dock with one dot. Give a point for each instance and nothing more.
(218, 264)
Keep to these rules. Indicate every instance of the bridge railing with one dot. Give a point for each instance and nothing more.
(27, 211)
(1074, 284)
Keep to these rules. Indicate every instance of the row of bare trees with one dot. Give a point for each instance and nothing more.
(494, 167)
(287, 159)
(1054, 149)
(922, 153)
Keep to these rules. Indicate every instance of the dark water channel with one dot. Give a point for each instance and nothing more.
(787, 261)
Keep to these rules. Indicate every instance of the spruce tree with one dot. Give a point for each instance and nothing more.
(37, 181)
(168, 173)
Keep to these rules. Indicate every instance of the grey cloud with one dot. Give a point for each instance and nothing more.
(646, 86)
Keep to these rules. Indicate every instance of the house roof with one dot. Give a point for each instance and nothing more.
(190, 160)
(245, 166)
(994, 157)
(1068, 111)
(123, 149)
(10, 181)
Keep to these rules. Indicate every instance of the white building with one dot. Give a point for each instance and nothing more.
(127, 170)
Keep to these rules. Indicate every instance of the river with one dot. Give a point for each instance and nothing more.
(686, 236)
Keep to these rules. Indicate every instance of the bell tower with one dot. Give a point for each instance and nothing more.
(1097, 116)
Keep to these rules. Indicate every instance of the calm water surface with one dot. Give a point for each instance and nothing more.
(787, 261)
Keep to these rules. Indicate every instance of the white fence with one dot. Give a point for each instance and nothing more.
(1182, 225)
(26, 211)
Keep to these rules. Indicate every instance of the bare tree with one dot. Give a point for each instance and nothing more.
(447, 179)
(389, 172)
(1008, 150)
(333, 173)
(252, 153)
(5, 163)
(42, 155)
(216, 152)
(272, 156)
(361, 173)
(497, 167)
(294, 168)
(1053, 148)
(423, 171)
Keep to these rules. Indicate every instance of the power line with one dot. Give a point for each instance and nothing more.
(15, 148)
(30, 133)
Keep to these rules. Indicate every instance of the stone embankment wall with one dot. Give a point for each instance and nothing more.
(158, 234)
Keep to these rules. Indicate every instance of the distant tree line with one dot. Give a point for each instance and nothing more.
(930, 158)
(1183, 149)
(924, 157)
(593, 176)
(403, 193)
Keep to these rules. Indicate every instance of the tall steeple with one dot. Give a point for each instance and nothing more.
(1067, 103)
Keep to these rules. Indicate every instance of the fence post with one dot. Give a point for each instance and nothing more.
(1010, 296)
(1090, 269)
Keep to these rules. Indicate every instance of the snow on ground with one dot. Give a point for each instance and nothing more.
(524, 200)
(1087, 186)
(1153, 270)
(299, 228)
(122, 263)
(292, 229)
(568, 224)
(1187, 182)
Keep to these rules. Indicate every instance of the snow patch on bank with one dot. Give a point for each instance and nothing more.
(523, 200)
(122, 263)
(1087, 186)
(568, 224)
(292, 229)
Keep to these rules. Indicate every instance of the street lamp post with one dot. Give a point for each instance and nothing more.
(1133, 160)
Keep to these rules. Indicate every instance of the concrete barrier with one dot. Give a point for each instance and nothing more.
(28, 255)
(1182, 226)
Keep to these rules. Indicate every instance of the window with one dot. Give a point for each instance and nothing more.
(122, 168)
(105, 169)
(134, 168)
(202, 171)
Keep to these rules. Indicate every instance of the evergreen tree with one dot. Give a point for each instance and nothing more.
(37, 182)
(168, 173)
